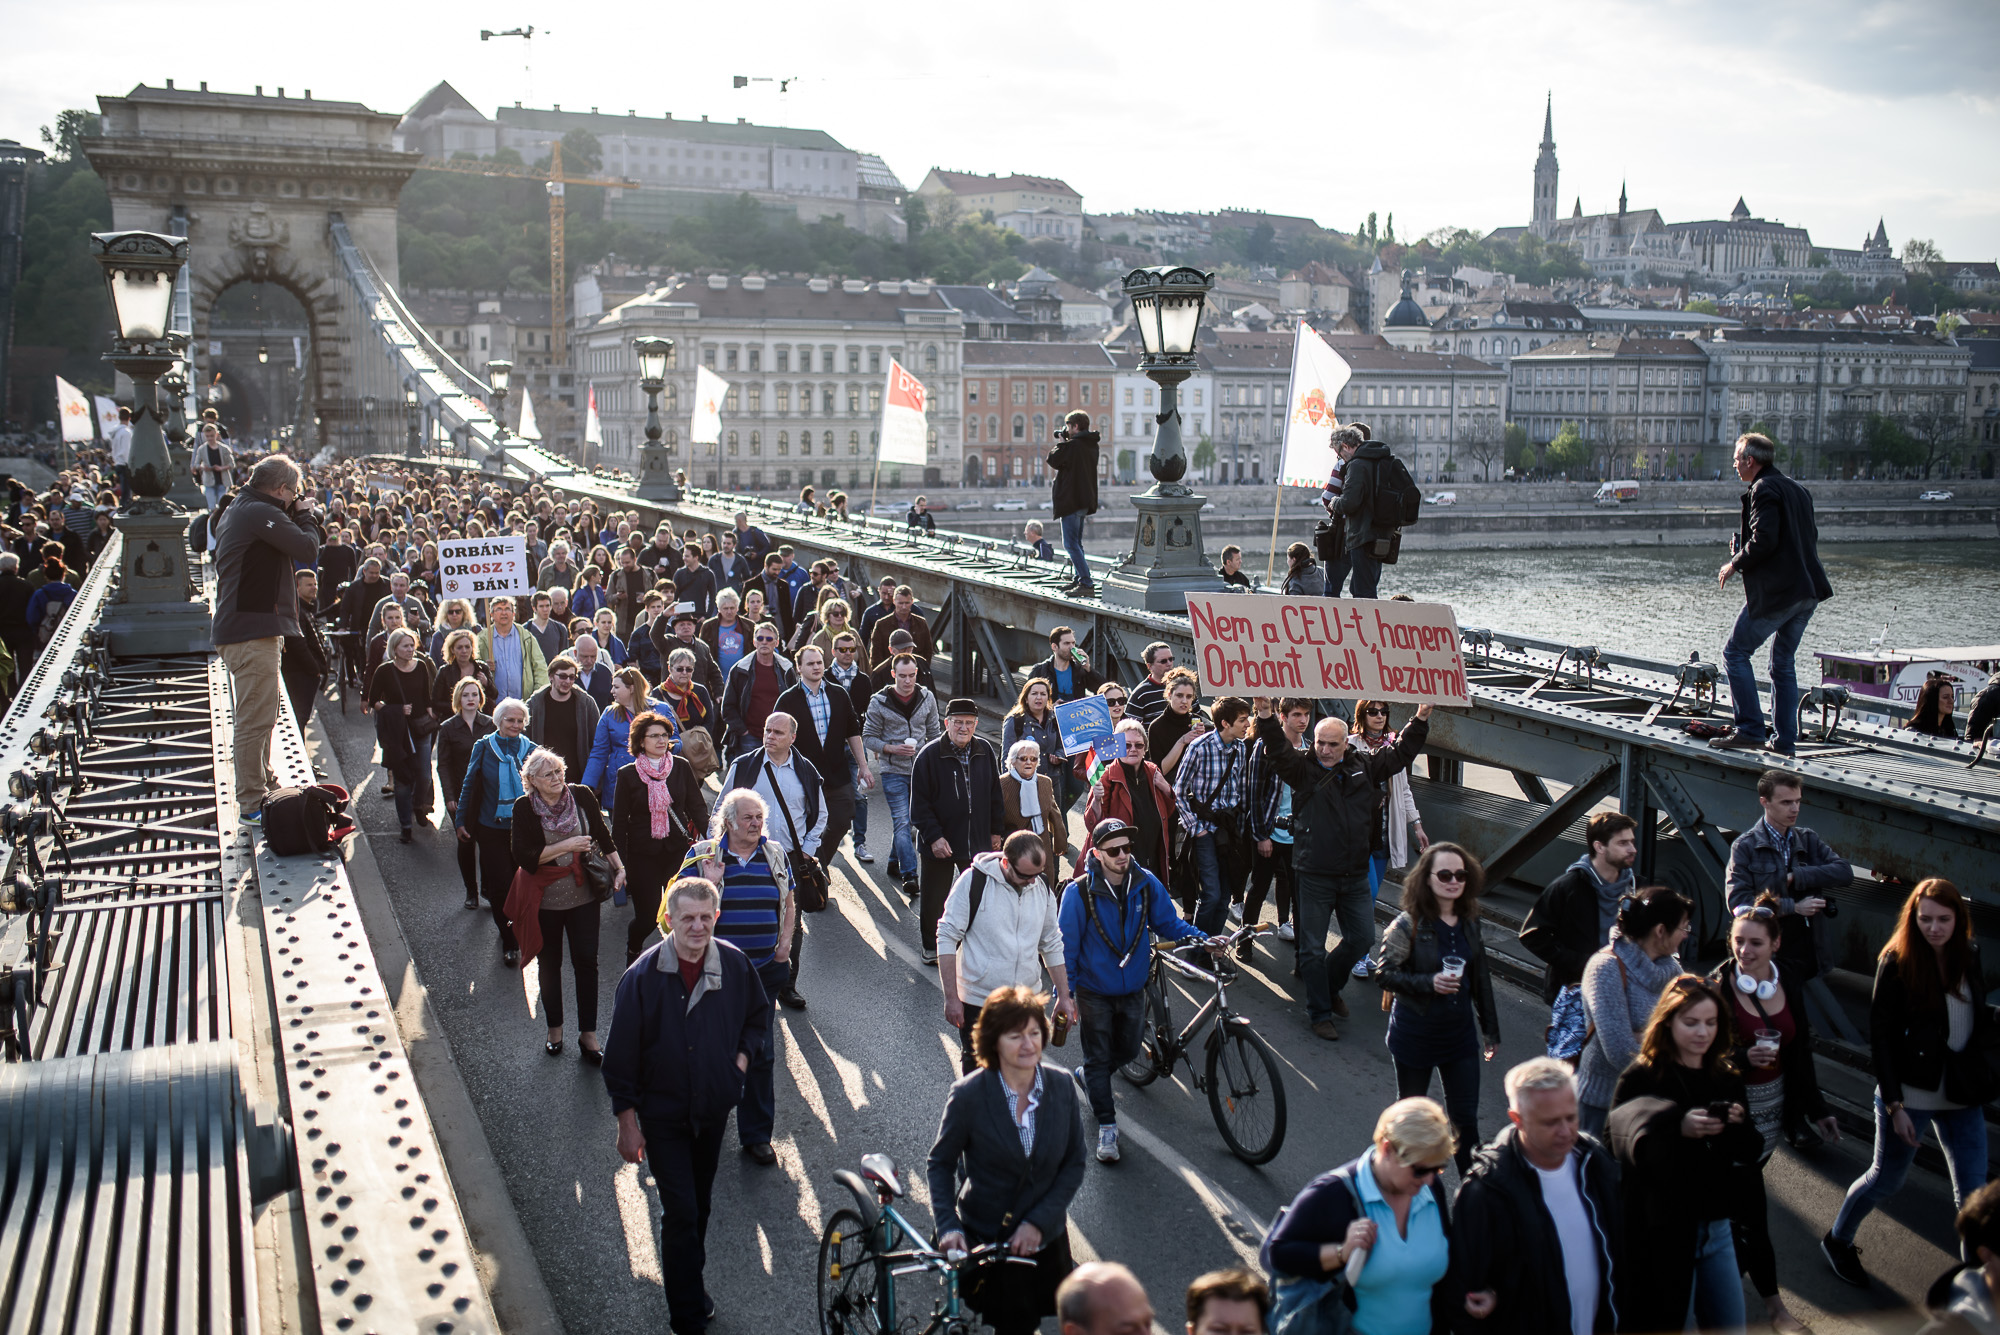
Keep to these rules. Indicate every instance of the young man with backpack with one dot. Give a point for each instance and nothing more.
(1378, 497)
(1000, 922)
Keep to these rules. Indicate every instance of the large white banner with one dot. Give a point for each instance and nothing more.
(482, 567)
(1318, 375)
(73, 407)
(710, 390)
(905, 433)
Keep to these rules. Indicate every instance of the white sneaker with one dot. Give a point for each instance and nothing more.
(1235, 912)
(1286, 932)
(1365, 969)
(1107, 1144)
(861, 853)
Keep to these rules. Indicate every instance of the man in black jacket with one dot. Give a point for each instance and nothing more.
(1337, 796)
(1777, 553)
(1074, 463)
(955, 810)
(1572, 919)
(303, 664)
(674, 1065)
(829, 737)
(1066, 669)
(1360, 481)
(1538, 1224)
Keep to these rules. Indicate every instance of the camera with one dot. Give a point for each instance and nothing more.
(1831, 908)
(1282, 823)
(1060, 433)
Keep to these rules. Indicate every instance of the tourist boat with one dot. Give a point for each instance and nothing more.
(1897, 675)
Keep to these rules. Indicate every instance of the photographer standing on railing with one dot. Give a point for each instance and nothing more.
(265, 531)
(1074, 463)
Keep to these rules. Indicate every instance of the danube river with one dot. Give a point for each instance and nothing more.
(1662, 602)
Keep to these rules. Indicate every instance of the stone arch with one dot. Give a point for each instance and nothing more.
(317, 294)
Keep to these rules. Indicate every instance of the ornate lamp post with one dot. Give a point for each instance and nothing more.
(656, 478)
(1167, 561)
(368, 421)
(416, 419)
(155, 611)
(499, 378)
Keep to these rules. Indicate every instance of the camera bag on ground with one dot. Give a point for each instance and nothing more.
(311, 819)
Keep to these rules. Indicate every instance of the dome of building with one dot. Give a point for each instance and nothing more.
(1406, 314)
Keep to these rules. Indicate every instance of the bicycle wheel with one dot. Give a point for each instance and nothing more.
(1246, 1093)
(849, 1278)
(1144, 1069)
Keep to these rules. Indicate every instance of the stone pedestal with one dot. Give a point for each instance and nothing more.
(656, 475)
(181, 487)
(1167, 561)
(156, 609)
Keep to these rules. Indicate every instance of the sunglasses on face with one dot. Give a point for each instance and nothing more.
(565, 676)
(1116, 851)
(1373, 712)
(1450, 877)
(1424, 1170)
(1114, 699)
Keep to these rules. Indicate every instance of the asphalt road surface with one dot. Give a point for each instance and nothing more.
(866, 1068)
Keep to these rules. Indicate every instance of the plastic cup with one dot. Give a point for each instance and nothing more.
(1768, 1039)
(1454, 967)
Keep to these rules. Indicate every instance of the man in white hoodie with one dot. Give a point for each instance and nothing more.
(1000, 925)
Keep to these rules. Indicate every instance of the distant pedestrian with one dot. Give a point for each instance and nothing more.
(919, 516)
(121, 453)
(1331, 536)
(1573, 918)
(1930, 1028)
(955, 810)
(214, 467)
(1303, 579)
(1777, 553)
(1031, 537)
(1149, 697)
(902, 719)
(460, 732)
(1376, 491)
(687, 1019)
(1074, 463)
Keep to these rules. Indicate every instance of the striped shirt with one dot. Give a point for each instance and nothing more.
(1212, 772)
(1148, 701)
(751, 905)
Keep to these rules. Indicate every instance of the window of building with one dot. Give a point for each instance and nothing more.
(1018, 469)
(972, 428)
(784, 442)
(875, 361)
(756, 359)
(756, 393)
(756, 443)
(1020, 427)
(874, 398)
(1197, 397)
(729, 359)
(854, 361)
(708, 357)
(930, 357)
(972, 391)
(993, 465)
(1062, 392)
(1041, 392)
(784, 359)
(784, 397)
(732, 443)
(729, 400)
(931, 440)
(735, 480)
(826, 400)
(1128, 396)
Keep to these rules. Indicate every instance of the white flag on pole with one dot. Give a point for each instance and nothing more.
(1318, 375)
(710, 390)
(530, 429)
(593, 433)
(107, 416)
(73, 407)
(905, 433)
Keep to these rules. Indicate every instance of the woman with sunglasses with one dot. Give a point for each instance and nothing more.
(1686, 1151)
(1774, 1052)
(1433, 968)
(1929, 1029)
(1389, 1204)
(1399, 813)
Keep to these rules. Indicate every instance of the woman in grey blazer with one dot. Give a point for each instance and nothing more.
(1015, 1127)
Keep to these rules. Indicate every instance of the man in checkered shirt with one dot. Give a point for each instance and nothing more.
(1209, 793)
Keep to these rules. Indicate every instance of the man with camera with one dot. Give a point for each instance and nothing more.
(1074, 463)
(268, 529)
(1377, 497)
(1330, 534)
(1780, 855)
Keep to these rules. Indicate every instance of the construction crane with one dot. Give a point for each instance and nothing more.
(554, 181)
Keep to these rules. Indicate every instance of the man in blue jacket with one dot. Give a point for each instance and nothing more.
(688, 1016)
(1110, 914)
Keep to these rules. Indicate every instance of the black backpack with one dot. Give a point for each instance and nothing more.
(306, 820)
(1396, 502)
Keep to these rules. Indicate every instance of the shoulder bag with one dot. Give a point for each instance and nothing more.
(809, 881)
(592, 865)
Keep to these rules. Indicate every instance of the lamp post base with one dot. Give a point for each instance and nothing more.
(656, 475)
(1167, 561)
(156, 611)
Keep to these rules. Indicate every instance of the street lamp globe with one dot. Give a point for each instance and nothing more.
(263, 355)
(139, 268)
(500, 376)
(1167, 301)
(653, 355)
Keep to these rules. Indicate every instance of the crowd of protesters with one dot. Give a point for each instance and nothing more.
(687, 725)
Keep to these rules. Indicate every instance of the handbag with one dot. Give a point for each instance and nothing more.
(697, 747)
(424, 725)
(809, 882)
(1567, 1029)
(598, 877)
(1310, 1307)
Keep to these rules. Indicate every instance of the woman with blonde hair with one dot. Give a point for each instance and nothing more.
(555, 823)
(400, 692)
(1390, 1205)
(465, 724)
(460, 662)
(453, 614)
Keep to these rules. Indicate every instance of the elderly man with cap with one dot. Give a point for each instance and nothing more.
(955, 810)
(679, 629)
(1109, 916)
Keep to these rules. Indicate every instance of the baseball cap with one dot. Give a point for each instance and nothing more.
(1107, 829)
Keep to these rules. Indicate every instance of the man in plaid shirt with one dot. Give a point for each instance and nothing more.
(1209, 796)
(1346, 440)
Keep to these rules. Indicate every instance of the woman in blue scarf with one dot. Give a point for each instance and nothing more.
(493, 784)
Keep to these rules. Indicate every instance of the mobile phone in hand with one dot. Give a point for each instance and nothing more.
(1719, 1110)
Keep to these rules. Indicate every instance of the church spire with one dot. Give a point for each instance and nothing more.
(1548, 122)
(1621, 199)
(1544, 215)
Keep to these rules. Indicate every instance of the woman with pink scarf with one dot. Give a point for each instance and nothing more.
(657, 812)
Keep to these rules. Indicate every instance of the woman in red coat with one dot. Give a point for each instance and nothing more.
(1111, 796)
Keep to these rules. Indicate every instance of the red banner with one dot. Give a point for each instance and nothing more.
(1252, 644)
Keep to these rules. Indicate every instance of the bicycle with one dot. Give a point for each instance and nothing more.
(865, 1250)
(1245, 1092)
(348, 669)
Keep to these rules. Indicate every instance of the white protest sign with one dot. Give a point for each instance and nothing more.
(482, 567)
(1252, 644)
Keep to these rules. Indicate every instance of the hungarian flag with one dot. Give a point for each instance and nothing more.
(905, 432)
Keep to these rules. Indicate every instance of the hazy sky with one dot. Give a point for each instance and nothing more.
(1825, 114)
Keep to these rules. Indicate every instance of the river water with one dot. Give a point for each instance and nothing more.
(1662, 602)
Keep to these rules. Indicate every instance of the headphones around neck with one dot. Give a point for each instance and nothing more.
(1751, 987)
